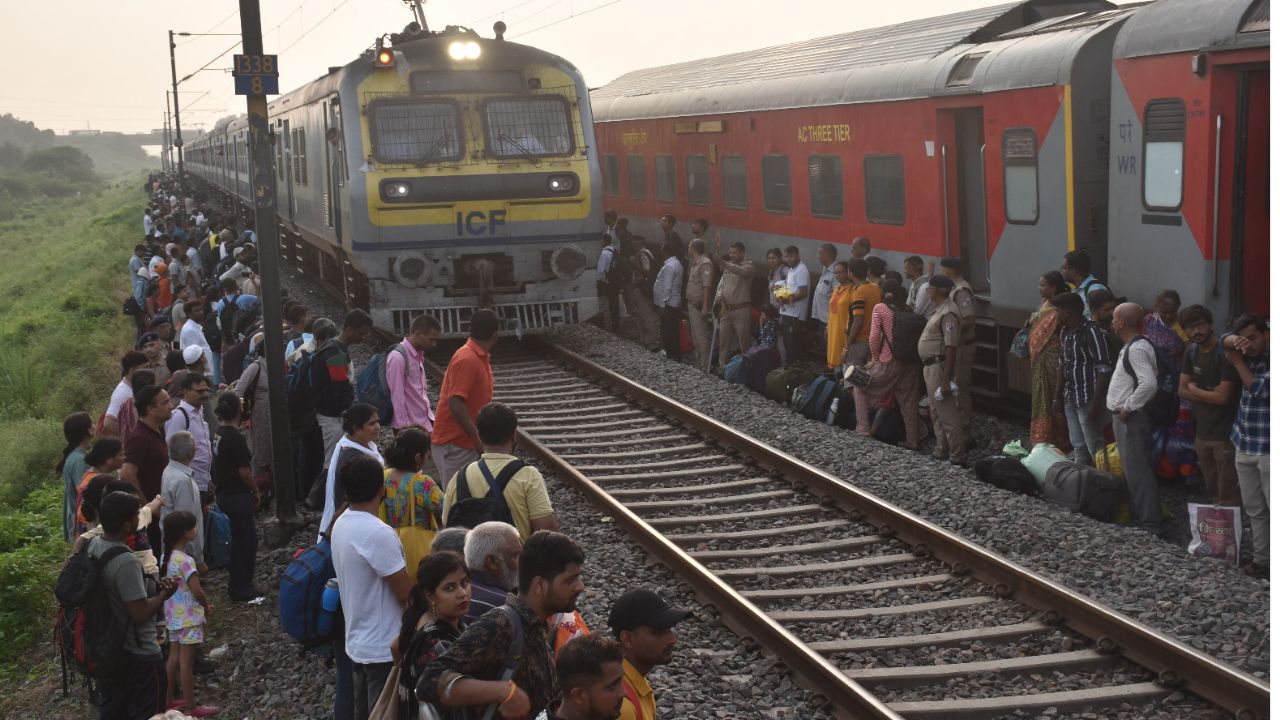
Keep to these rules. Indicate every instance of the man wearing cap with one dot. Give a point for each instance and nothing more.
(643, 623)
(962, 297)
(193, 335)
(939, 349)
(151, 346)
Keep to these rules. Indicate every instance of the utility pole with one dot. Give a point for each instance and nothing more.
(166, 157)
(264, 203)
(177, 120)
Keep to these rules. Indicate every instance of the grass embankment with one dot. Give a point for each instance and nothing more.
(63, 267)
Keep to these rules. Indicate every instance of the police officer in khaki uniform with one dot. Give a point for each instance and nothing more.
(962, 297)
(733, 299)
(697, 294)
(939, 349)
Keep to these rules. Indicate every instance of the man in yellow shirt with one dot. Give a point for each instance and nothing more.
(643, 623)
(524, 492)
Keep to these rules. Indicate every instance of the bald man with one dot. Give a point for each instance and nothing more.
(1133, 384)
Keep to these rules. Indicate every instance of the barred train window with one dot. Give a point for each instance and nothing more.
(414, 132)
(300, 153)
(1021, 176)
(635, 177)
(522, 127)
(1164, 130)
(885, 189)
(776, 176)
(733, 178)
(664, 167)
(695, 172)
(826, 186)
(611, 174)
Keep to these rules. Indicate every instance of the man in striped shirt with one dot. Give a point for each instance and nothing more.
(1248, 351)
(1084, 369)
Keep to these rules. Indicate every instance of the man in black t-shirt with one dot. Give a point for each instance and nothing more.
(1213, 387)
(237, 495)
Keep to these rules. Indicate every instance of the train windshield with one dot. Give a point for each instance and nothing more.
(415, 132)
(528, 127)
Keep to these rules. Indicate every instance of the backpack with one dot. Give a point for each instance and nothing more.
(227, 318)
(252, 389)
(217, 542)
(371, 384)
(233, 364)
(469, 511)
(842, 412)
(1006, 473)
(87, 629)
(781, 383)
(300, 394)
(816, 399)
(1162, 408)
(907, 329)
(131, 306)
(617, 273)
(651, 277)
(301, 589)
(735, 371)
(1085, 490)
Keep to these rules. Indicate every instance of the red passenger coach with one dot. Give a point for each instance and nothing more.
(944, 136)
(1190, 141)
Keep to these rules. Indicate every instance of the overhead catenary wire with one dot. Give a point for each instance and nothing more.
(504, 11)
(566, 19)
(318, 23)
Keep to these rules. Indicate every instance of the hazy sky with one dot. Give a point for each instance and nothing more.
(107, 64)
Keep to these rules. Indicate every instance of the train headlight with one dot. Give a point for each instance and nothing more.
(562, 184)
(568, 262)
(469, 50)
(396, 190)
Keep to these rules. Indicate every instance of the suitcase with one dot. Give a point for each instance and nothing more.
(1085, 490)
(781, 383)
(759, 362)
(1006, 473)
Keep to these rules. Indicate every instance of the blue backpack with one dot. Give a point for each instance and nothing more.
(301, 593)
(217, 542)
(735, 371)
(815, 402)
(371, 385)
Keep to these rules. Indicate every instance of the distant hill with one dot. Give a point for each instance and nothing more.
(112, 154)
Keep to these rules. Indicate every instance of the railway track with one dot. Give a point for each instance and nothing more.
(869, 606)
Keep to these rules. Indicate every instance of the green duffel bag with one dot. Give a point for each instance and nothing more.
(781, 383)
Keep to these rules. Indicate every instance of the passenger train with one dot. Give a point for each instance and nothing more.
(439, 172)
(1006, 136)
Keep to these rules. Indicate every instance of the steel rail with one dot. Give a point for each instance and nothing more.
(845, 697)
(1175, 664)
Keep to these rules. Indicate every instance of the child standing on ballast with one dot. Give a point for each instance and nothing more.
(184, 612)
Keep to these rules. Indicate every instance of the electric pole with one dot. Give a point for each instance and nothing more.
(177, 120)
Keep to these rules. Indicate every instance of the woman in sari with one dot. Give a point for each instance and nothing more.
(838, 314)
(1044, 346)
(1173, 447)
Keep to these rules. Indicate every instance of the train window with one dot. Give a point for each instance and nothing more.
(733, 178)
(885, 189)
(695, 173)
(776, 175)
(1164, 131)
(826, 186)
(300, 154)
(414, 132)
(611, 174)
(1021, 176)
(279, 143)
(664, 170)
(635, 177)
(528, 127)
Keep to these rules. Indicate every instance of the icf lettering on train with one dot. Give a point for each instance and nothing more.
(823, 133)
(480, 223)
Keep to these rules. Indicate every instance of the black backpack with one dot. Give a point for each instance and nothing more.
(89, 633)
(618, 273)
(1162, 408)
(300, 392)
(227, 318)
(907, 329)
(469, 511)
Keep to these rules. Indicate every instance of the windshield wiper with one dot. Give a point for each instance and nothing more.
(519, 148)
(436, 147)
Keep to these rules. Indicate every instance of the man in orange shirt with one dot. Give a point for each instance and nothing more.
(467, 387)
(866, 295)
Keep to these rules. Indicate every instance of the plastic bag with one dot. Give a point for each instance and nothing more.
(1109, 460)
(1014, 449)
(1215, 532)
(1041, 458)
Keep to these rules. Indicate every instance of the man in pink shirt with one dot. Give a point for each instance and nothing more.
(408, 386)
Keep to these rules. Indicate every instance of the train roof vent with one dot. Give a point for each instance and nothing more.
(1258, 19)
(962, 73)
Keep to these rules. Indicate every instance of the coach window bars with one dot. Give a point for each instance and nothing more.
(696, 180)
(611, 174)
(885, 189)
(776, 176)
(733, 179)
(299, 146)
(826, 186)
(409, 133)
(1164, 132)
(635, 177)
(529, 127)
(1021, 176)
(664, 170)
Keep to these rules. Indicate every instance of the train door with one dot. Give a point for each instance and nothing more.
(971, 189)
(333, 165)
(289, 164)
(1250, 208)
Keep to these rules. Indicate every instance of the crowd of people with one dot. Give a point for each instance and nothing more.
(452, 572)
(1100, 365)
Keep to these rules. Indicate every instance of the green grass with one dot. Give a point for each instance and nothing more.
(63, 268)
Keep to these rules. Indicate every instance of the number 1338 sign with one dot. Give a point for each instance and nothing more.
(256, 74)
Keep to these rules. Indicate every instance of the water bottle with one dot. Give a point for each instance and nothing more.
(329, 603)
